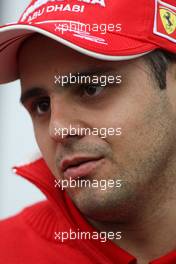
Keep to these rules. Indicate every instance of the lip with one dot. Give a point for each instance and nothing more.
(79, 166)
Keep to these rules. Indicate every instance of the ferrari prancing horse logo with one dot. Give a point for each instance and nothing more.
(168, 19)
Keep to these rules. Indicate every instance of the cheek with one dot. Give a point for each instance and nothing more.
(41, 136)
(45, 144)
(130, 116)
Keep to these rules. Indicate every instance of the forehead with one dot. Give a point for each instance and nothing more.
(40, 49)
(41, 58)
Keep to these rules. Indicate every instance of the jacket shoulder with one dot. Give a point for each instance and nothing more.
(17, 226)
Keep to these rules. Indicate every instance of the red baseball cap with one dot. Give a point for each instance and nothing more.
(105, 29)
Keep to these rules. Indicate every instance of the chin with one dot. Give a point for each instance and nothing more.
(103, 205)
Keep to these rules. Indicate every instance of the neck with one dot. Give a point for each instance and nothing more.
(152, 233)
(152, 237)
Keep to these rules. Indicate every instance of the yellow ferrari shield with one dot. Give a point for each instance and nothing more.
(169, 20)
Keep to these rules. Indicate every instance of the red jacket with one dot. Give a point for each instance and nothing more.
(30, 236)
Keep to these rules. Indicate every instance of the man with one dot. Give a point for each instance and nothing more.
(111, 189)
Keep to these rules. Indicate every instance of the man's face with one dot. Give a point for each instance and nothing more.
(139, 157)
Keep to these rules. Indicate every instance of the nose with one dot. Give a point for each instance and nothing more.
(63, 124)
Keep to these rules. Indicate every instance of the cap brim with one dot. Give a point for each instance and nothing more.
(111, 47)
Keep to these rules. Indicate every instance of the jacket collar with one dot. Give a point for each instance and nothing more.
(38, 173)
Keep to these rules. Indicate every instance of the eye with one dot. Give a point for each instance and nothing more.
(41, 106)
(92, 90)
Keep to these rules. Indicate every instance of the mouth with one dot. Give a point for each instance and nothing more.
(79, 166)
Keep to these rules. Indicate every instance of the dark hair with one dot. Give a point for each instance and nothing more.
(159, 61)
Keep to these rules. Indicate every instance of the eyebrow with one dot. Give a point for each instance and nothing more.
(31, 93)
(91, 73)
(38, 91)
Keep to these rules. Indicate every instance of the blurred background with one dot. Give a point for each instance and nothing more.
(17, 143)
